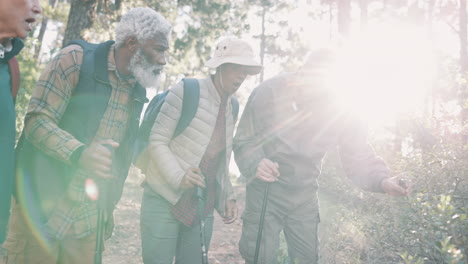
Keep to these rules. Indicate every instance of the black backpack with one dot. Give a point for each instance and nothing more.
(190, 101)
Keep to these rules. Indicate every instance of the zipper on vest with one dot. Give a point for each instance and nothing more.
(2, 52)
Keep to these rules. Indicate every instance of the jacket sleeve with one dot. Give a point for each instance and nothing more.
(248, 144)
(359, 160)
(161, 135)
(48, 103)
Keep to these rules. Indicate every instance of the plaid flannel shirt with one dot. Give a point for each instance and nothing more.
(75, 214)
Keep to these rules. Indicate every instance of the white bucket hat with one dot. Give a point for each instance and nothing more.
(236, 51)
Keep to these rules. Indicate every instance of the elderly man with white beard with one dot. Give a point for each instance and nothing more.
(79, 130)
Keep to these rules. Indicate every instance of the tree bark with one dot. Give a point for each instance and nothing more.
(429, 101)
(463, 38)
(40, 37)
(117, 4)
(262, 41)
(363, 5)
(42, 30)
(81, 16)
(463, 64)
(344, 17)
(330, 20)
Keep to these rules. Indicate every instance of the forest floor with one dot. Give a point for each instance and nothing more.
(124, 247)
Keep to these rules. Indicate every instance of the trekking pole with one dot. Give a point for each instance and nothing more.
(201, 214)
(101, 207)
(262, 220)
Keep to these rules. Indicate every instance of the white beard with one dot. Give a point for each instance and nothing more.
(144, 72)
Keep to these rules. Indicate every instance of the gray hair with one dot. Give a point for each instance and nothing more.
(143, 23)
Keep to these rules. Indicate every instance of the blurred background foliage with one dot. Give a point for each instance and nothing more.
(429, 146)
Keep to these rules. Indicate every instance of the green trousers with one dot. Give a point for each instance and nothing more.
(294, 211)
(164, 238)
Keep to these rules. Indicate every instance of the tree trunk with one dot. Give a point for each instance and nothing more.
(81, 17)
(463, 63)
(40, 37)
(262, 41)
(363, 5)
(117, 4)
(330, 20)
(430, 96)
(42, 30)
(344, 17)
(463, 38)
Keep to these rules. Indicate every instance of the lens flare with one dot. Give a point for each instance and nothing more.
(30, 213)
(91, 189)
(386, 72)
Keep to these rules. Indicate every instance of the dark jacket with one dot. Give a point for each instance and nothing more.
(7, 135)
(296, 130)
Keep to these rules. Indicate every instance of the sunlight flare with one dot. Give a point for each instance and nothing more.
(91, 189)
(385, 72)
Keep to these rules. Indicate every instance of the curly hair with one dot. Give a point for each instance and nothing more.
(143, 23)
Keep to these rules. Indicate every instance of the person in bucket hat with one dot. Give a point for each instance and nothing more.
(235, 51)
(181, 169)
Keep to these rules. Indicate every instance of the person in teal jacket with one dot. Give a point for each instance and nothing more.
(16, 17)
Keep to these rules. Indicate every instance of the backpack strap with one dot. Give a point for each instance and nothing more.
(235, 108)
(15, 76)
(91, 95)
(46, 178)
(100, 61)
(189, 105)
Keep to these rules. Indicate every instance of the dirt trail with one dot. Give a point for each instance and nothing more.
(125, 246)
